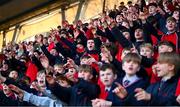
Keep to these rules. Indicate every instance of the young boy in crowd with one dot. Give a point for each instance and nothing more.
(147, 50)
(58, 70)
(166, 46)
(14, 75)
(81, 93)
(107, 76)
(162, 92)
(122, 92)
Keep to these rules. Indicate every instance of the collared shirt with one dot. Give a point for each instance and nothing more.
(107, 89)
(128, 80)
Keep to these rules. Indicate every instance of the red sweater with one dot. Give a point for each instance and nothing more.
(173, 37)
(103, 94)
(178, 89)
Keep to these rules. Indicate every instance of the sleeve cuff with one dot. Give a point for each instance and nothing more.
(26, 96)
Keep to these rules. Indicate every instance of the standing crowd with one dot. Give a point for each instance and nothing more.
(129, 56)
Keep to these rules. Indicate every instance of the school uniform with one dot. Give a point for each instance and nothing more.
(80, 94)
(130, 86)
(163, 92)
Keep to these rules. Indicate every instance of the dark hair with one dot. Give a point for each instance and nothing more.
(167, 43)
(108, 66)
(62, 77)
(153, 4)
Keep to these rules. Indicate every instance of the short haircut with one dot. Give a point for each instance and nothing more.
(86, 68)
(108, 66)
(62, 77)
(167, 43)
(171, 19)
(41, 72)
(170, 58)
(132, 57)
(58, 65)
(153, 4)
(85, 57)
(147, 45)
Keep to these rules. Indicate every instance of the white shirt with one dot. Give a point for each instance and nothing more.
(107, 89)
(131, 79)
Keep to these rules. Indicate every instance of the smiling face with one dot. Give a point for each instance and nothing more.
(164, 69)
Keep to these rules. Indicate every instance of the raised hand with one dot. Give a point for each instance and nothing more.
(141, 94)
(17, 90)
(44, 61)
(120, 91)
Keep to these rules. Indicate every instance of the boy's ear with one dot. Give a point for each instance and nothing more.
(91, 76)
(115, 76)
(152, 54)
(139, 68)
(170, 49)
(171, 67)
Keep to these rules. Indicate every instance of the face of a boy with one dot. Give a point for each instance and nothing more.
(13, 74)
(90, 45)
(58, 69)
(6, 89)
(176, 15)
(63, 83)
(41, 79)
(152, 10)
(107, 77)
(85, 75)
(170, 25)
(164, 48)
(138, 34)
(162, 69)
(144, 51)
(84, 61)
(130, 67)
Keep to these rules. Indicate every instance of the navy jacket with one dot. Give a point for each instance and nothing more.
(80, 94)
(163, 93)
(130, 100)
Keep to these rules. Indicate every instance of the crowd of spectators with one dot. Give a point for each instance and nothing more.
(129, 56)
